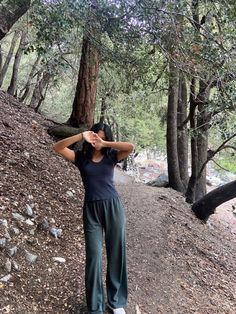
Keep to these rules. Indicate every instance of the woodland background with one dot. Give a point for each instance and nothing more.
(160, 73)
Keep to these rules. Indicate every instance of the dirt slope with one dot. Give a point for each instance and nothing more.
(176, 264)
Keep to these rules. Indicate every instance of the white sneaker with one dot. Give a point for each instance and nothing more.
(120, 310)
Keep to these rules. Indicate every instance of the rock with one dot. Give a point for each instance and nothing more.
(59, 259)
(3, 242)
(8, 265)
(6, 278)
(32, 232)
(69, 194)
(3, 223)
(30, 257)
(29, 222)
(29, 210)
(27, 155)
(56, 232)
(161, 181)
(15, 265)
(15, 230)
(7, 235)
(12, 251)
(18, 217)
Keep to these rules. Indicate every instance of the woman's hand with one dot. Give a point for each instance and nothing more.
(89, 136)
(98, 142)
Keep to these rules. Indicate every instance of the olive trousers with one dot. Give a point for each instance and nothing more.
(99, 218)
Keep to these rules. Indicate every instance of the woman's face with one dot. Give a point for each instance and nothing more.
(102, 135)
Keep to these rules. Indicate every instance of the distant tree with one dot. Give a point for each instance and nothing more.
(10, 12)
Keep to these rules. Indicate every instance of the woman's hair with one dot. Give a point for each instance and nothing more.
(88, 148)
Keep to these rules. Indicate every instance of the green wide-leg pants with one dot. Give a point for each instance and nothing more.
(105, 216)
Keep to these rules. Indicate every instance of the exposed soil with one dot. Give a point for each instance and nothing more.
(176, 263)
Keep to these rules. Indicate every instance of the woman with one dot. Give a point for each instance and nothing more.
(102, 213)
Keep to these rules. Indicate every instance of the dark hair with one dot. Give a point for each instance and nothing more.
(88, 148)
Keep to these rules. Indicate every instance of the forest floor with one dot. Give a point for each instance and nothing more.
(176, 263)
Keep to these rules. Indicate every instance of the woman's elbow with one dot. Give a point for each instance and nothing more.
(131, 148)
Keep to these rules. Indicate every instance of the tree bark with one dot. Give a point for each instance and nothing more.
(85, 96)
(0, 58)
(26, 90)
(38, 96)
(172, 149)
(202, 137)
(206, 206)
(12, 87)
(190, 193)
(182, 140)
(103, 110)
(10, 12)
(8, 58)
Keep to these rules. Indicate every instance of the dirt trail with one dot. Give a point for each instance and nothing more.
(176, 263)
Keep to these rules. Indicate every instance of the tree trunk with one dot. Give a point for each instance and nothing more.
(10, 12)
(172, 150)
(190, 193)
(85, 96)
(8, 58)
(202, 137)
(26, 90)
(206, 206)
(0, 58)
(38, 95)
(182, 141)
(12, 87)
(103, 109)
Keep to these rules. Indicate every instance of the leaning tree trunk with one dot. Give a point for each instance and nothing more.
(26, 90)
(10, 12)
(206, 206)
(12, 87)
(172, 150)
(8, 58)
(182, 140)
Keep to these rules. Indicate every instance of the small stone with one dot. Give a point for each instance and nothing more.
(29, 210)
(56, 232)
(15, 265)
(27, 155)
(6, 278)
(29, 222)
(52, 221)
(12, 251)
(15, 230)
(18, 217)
(16, 203)
(7, 235)
(3, 242)
(8, 265)
(69, 194)
(59, 259)
(30, 197)
(32, 232)
(30, 257)
(3, 223)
